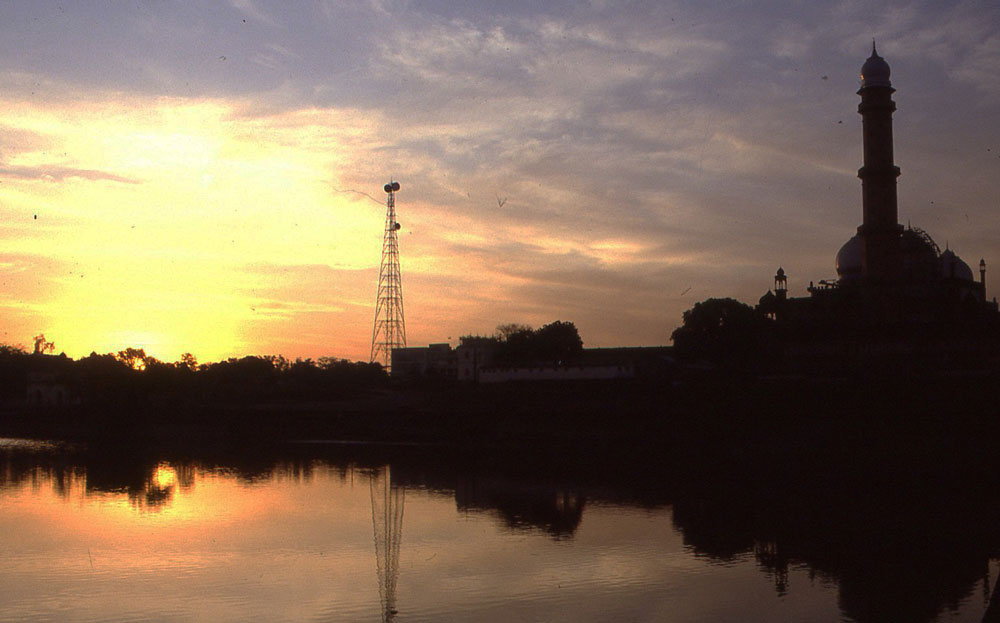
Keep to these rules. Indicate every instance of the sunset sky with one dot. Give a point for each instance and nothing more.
(206, 176)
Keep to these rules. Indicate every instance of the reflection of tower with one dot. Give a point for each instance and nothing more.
(387, 522)
(390, 330)
(880, 230)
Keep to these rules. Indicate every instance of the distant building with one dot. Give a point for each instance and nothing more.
(898, 300)
(474, 353)
(49, 382)
(431, 361)
(477, 363)
(46, 390)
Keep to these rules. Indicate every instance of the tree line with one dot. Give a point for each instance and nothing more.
(722, 332)
(519, 344)
(132, 374)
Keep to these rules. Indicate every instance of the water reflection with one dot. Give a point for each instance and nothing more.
(522, 505)
(913, 548)
(148, 484)
(388, 502)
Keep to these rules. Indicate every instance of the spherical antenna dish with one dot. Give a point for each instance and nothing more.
(397, 226)
(387, 188)
(395, 185)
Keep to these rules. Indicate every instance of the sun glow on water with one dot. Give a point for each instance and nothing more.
(165, 476)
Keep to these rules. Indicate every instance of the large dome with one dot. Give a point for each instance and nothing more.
(849, 260)
(875, 72)
(919, 255)
(952, 266)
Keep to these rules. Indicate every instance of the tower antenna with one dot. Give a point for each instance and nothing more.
(389, 330)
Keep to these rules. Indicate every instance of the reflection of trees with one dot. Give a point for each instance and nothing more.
(160, 484)
(151, 498)
(895, 555)
(99, 471)
(46, 466)
(900, 544)
(523, 504)
(126, 471)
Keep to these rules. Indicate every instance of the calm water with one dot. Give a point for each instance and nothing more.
(334, 534)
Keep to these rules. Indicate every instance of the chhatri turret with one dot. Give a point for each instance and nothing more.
(880, 230)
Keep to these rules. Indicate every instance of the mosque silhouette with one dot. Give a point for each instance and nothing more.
(899, 301)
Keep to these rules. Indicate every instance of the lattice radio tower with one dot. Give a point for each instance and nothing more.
(390, 329)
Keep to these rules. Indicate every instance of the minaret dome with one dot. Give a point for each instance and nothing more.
(875, 71)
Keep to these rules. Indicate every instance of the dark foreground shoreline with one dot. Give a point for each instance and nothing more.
(943, 422)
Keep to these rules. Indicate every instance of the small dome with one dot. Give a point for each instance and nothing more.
(875, 71)
(849, 259)
(952, 266)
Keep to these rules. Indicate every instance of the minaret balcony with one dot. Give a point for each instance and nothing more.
(875, 172)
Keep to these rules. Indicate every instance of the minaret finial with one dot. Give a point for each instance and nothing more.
(874, 52)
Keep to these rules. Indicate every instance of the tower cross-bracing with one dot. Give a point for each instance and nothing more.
(388, 501)
(389, 330)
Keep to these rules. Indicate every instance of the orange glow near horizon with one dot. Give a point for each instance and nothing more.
(208, 226)
(159, 223)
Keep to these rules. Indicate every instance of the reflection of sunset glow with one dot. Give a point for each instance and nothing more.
(165, 501)
(295, 543)
(164, 476)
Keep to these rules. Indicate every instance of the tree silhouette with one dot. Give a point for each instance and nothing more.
(130, 376)
(725, 332)
(519, 344)
(134, 358)
(557, 341)
(13, 370)
(504, 332)
(43, 346)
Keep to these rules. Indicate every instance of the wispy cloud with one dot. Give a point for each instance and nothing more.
(58, 174)
(553, 157)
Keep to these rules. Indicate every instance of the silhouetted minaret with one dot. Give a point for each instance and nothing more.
(982, 276)
(781, 284)
(880, 231)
